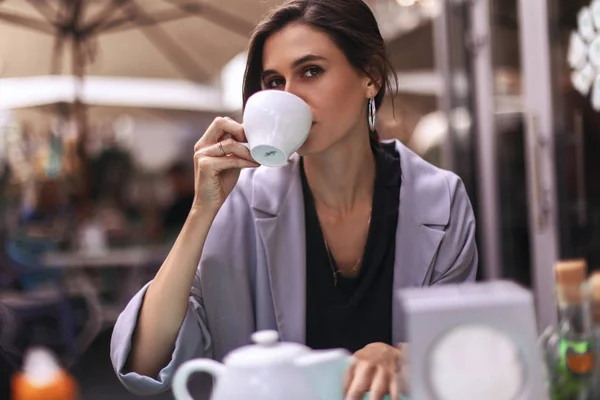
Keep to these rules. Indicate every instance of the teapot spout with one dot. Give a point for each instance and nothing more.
(325, 370)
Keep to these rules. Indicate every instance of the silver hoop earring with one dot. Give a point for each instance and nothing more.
(372, 114)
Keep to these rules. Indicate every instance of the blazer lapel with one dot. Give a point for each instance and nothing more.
(424, 211)
(278, 207)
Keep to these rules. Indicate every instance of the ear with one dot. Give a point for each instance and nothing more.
(373, 82)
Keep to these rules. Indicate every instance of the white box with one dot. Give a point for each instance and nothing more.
(495, 319)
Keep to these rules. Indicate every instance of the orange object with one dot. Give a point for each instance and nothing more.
(580, 363)
(571, 272)
(43, 379)
(570, 276)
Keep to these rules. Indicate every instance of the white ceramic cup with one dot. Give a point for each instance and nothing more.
(276, 124)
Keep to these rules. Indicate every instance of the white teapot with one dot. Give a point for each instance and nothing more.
(270, 370)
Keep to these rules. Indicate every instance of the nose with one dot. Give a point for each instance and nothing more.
(290, 87)
(293, 89)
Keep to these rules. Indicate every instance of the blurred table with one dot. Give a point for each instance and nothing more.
(79, 266)
(131, 257)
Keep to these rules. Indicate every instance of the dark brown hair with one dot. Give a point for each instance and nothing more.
(349, 23)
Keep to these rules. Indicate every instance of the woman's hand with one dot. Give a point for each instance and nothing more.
(376, 370)
(218, 160)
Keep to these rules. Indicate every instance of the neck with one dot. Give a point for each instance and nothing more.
(343, 176)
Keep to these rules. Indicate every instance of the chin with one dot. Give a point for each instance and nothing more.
(302, 151)
(314, 144)
(310, 147)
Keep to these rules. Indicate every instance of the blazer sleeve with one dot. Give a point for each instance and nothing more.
(194, 338)
(192, 341)
(457, 258)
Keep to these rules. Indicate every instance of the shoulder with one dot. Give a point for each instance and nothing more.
(436, 201)
(432, 191)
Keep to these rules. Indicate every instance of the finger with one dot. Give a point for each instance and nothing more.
(229, 146)
(395, 387)
(379, 385)
(361, 381)
(219, 128)
(219, 164)
(349, 377)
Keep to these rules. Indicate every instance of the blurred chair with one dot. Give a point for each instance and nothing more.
(34, 294)
(25, 253)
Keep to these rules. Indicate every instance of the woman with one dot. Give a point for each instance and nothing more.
(313, 249)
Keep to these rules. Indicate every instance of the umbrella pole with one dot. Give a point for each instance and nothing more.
(80, 119)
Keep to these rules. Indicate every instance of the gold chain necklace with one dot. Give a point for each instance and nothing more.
(328, 249)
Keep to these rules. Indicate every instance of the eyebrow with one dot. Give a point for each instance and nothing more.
(295, 64)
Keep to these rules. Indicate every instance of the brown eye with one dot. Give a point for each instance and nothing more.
(312, 72)
(275, 83)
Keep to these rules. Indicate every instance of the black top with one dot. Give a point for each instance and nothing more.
(357, 311)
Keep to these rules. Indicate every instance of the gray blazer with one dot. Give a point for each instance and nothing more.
(252, 271)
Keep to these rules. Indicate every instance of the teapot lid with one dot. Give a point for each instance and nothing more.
(266, 350)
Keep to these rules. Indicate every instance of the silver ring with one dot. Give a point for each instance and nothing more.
(221, 148)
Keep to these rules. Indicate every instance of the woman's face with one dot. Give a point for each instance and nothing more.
(306, 62)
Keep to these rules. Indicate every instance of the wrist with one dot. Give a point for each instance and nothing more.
(201, 213)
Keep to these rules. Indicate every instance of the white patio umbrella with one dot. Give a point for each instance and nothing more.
(170, 39)
(188, 39)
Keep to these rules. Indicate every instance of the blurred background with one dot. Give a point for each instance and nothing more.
(101, 102)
